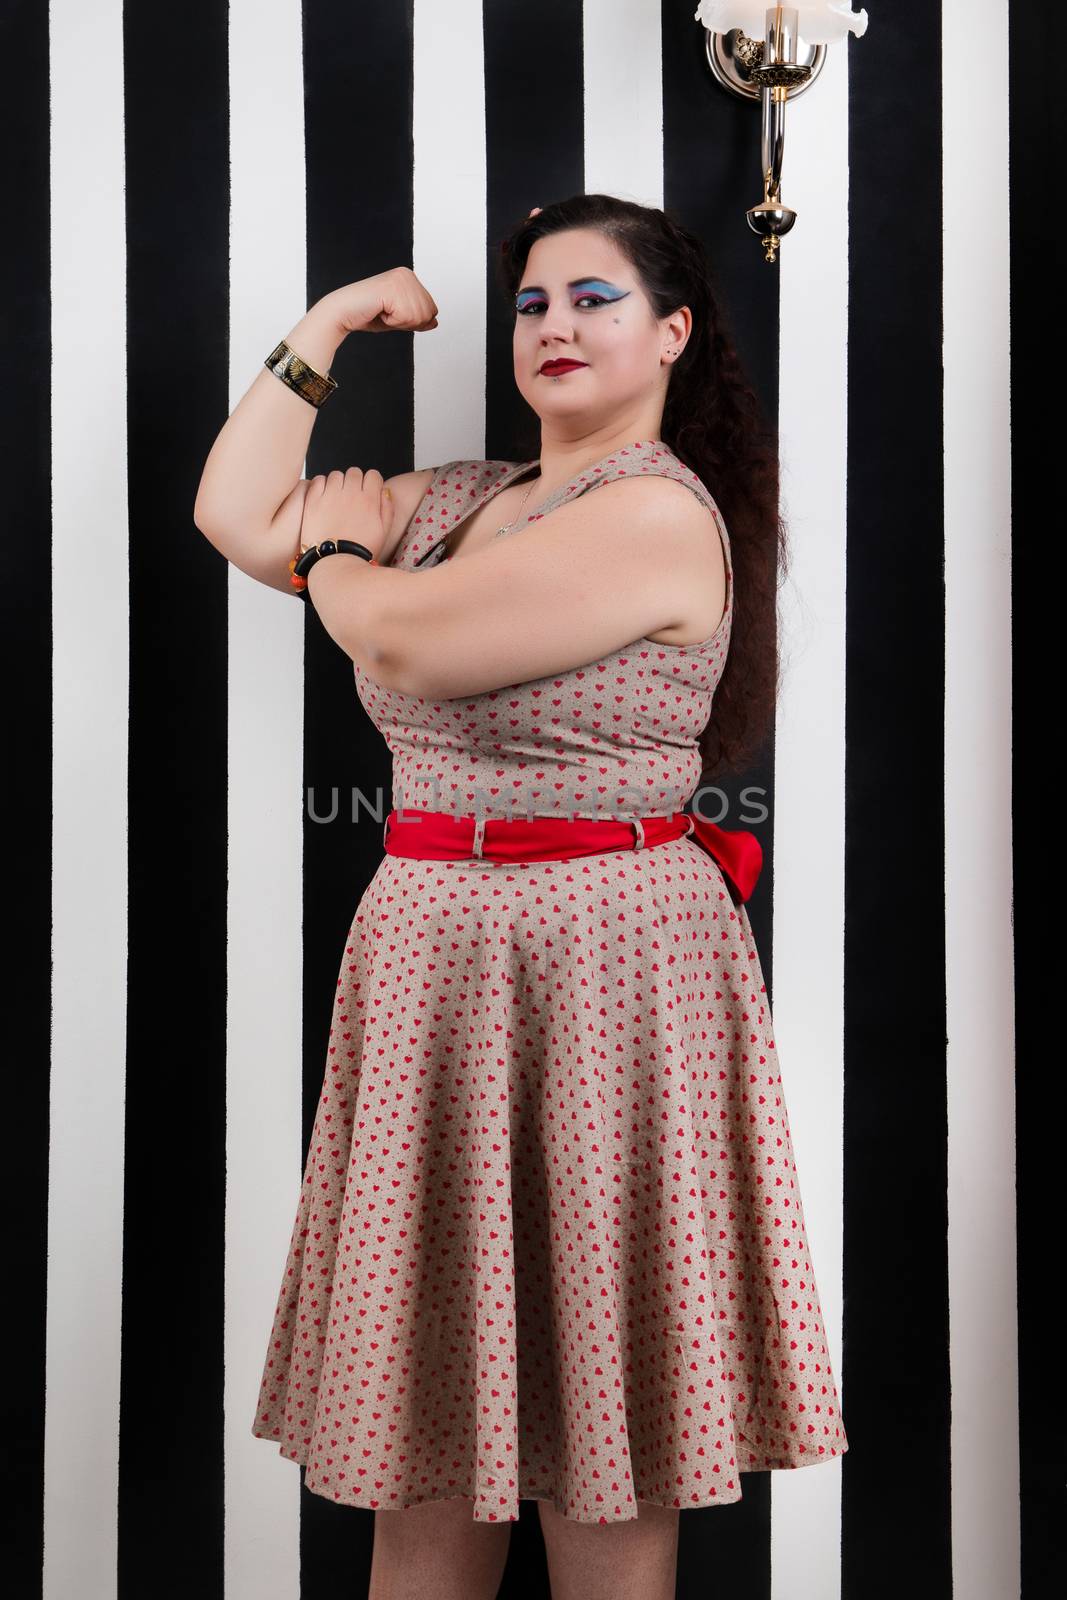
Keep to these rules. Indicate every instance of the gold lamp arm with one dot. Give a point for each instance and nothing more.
(775, 75)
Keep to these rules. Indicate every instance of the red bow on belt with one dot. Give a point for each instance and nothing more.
(440, 836)
(737, 850)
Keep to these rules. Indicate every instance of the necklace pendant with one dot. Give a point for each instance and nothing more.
(509, 525)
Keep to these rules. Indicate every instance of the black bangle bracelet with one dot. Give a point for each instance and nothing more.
(327, 547)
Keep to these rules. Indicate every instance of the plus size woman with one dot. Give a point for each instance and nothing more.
(550, 1242)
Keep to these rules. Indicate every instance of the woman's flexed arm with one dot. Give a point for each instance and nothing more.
(251, 492)
(254, 465)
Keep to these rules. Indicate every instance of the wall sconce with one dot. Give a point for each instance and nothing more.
(783, 63)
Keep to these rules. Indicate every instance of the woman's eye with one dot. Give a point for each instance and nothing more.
(539, 305)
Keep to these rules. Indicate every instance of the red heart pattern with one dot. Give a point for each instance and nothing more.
(550, 1241)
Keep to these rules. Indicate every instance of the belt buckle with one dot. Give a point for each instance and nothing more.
(639, 840)
(479, 837)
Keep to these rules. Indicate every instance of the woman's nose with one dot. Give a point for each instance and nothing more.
(558, 323)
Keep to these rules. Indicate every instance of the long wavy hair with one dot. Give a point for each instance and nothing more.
(715, 424)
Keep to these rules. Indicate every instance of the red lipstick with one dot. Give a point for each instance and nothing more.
(550, 369)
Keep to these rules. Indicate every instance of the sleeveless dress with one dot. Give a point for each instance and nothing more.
(550, 1241)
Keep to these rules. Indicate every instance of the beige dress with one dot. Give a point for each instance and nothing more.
(550, 1241)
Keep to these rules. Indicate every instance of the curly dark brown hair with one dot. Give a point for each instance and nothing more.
(715, 424)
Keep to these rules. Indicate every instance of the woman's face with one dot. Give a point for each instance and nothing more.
(580, 300)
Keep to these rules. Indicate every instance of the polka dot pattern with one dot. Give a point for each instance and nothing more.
(550, 1241)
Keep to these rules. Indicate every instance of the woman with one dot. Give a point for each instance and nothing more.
(550, 1243)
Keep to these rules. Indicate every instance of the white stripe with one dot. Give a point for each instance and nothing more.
(265, 755)
(978, 882)
(809, 821)
(623, 133)
(89, 888)
(449, 229)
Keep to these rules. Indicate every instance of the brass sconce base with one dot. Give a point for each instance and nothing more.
(736, 63)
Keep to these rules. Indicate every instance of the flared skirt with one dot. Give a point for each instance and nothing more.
(550, 1241)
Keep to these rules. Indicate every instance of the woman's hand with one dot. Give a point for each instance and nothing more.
(394, 301)
(347, 505)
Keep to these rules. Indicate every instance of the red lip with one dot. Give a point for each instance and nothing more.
(550, 367)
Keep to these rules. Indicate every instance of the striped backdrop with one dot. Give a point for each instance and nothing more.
(181, 184)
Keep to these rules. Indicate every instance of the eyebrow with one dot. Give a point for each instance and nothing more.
(575, 283)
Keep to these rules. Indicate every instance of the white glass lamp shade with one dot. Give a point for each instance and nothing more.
(818, 22)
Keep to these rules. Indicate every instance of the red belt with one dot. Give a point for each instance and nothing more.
(439, 836)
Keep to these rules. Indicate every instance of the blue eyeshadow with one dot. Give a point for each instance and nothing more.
(586, 285)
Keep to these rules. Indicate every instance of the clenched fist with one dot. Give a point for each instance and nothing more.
(348, 505)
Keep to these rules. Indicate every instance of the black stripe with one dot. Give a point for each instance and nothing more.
(709, 193)
(170, 1506)
(711, 160)
(25, 409)
(896, 1361)
(358, 119)
(1037, 625)
(534, 155)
